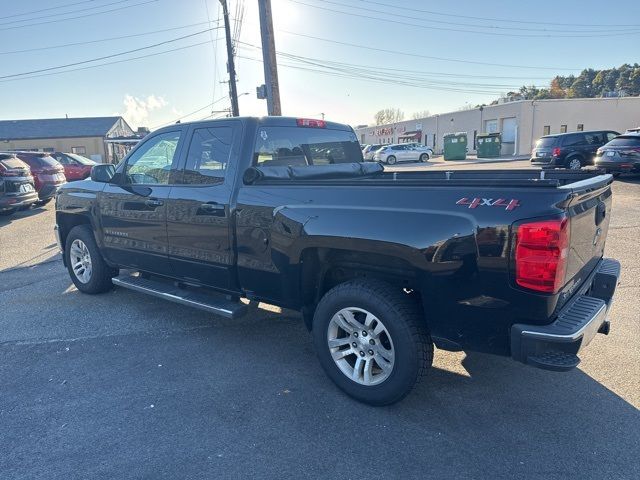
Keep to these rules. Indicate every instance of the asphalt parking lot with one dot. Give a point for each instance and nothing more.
(122, 385)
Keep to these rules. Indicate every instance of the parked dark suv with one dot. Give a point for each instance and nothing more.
(620, 155)
(16, 185)
(569, 150)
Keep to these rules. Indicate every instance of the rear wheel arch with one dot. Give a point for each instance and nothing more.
(324, 268)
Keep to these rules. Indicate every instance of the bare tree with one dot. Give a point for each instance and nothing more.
(420, 114)
(388, 115)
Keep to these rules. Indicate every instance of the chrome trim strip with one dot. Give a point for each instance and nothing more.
(170, 296)
(575, 335)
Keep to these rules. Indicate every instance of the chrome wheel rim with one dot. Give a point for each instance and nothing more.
(80, 260)
(575, 164)
(360, 346)
(391, 160)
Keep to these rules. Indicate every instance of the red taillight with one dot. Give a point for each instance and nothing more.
(310, 122)
(556, 152)
(541, 254)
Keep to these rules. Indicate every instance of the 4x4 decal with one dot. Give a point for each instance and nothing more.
(489, 202)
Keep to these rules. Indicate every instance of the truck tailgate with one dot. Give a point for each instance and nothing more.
(589, 212)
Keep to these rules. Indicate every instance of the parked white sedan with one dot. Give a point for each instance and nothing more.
(403, 152)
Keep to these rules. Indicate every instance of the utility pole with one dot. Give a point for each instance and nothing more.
(269, 58)
(233, 93)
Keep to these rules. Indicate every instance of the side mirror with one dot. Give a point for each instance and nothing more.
(103, 173)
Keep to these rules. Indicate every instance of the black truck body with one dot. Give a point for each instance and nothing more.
(282, 210)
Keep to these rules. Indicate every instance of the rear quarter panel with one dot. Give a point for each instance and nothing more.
(459, 256)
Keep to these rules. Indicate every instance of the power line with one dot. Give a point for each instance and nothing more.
(509, 20)
(49, 15)
(475, 25)
(430, 57)
(101, 40)
(383, 80)
(46, 9)
(105, 63)
(399, 22)
(189, 114)
(79, 16)
(394, 70)
(106, 56)
(214, 49)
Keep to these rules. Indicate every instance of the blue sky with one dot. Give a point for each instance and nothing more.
(382, 53)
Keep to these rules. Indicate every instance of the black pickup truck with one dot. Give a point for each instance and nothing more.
(382, 265)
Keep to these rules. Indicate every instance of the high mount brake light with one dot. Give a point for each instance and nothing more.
(542, 249)
(311, 122)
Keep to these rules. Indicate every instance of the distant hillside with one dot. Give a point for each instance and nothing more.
(621, 81)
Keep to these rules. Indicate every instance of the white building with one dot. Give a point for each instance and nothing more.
(520, 122)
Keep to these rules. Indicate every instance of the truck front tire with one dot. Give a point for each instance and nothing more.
(87, 268)
(371, 340)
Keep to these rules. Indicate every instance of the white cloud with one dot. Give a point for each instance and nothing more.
(137, 109)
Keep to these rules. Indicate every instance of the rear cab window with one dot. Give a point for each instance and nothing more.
(305, 146)
(545, 142)
(625, 141)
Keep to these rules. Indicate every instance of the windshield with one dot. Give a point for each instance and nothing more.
(47, 161)
(546, 142)
(12, 162)
(625, 141)
(280, 146)
(80, 159)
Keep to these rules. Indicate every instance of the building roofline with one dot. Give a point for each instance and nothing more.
(485, 107)
(20, 139)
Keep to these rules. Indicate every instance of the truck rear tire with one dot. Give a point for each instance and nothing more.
(371, 340)
(87, 268)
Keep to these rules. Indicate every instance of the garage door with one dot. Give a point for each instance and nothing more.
(509, 127)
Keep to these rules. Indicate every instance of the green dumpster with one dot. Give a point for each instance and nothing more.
(455, 146)
(488, 145)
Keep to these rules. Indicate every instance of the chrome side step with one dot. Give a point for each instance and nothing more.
(211, 303)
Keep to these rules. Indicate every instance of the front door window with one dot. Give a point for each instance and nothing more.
(151, 163)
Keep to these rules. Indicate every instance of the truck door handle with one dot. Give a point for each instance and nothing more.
(153, 202)
(210, 207)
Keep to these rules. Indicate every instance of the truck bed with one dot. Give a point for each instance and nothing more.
(375, 174)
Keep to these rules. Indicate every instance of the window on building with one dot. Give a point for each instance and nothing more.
(581, 127)
(563, 129)
(546, 130)
(79, 150)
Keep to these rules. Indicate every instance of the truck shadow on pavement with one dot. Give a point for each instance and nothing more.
(141, 388)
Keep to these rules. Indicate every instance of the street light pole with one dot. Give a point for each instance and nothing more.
(233, 94)
(269, 58)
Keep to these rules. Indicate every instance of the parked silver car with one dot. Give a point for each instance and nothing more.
(370, 150)
(403, 152)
